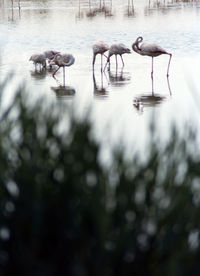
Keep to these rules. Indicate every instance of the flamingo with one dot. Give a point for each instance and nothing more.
(38, 59)
(117, 49)
(49, 54)
(150, 49)
(99, 48)
(62, 60)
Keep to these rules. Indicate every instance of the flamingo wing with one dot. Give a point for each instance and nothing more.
(151, 49)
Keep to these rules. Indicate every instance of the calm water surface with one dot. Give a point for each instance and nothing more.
(122, 101)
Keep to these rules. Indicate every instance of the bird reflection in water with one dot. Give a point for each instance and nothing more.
(130, 11)
(64, 92)
(100, 90)
(79, 15)
(102, 9)
(119, 78)
(39, 74)
(13, 8)
(150, 99)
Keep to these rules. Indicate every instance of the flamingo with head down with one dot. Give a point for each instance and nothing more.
(117, 49)
(62, 60)
(99, 48)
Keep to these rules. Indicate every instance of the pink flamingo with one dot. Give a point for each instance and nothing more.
(99, 48)
(117, 49)
(62, 60)
(150, 49)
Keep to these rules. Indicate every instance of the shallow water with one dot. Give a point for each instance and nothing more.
(122, 101)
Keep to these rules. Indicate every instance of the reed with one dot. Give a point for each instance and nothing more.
(63, 213)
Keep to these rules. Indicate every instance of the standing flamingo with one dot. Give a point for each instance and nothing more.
(150, 49)
(38, 59)
(99, 48)
(62, 60)
(117, 49)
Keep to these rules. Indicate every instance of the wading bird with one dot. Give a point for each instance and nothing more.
(49, 54)
(38, 59)
(62, 60)
(99, 48)
(117, 49)
(150, 49)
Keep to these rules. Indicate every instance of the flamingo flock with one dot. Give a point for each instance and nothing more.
(145, 49)
(100, 48)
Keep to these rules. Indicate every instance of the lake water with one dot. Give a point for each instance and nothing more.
(122, 101)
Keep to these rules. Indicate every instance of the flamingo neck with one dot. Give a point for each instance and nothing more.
(136, 47)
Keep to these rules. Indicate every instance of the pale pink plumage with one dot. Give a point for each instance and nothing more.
(117, 49)
(150, 49)
(99, 48)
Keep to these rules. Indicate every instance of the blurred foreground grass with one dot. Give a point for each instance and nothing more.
(62, 213)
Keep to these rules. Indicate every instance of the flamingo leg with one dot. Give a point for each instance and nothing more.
(64, 76)
(101, 63)
(116, 62)
(122, 60)
(152, 87)
(152, 69)
(93, 62)
(53, 74)
(170, 92)
(105, 66)
(109, 65)
(170, 56)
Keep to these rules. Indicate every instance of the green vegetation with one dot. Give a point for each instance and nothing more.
(62, 213)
